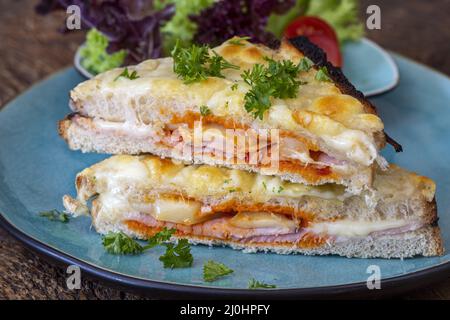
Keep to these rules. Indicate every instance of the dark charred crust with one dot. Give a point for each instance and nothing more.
(319, 57)
(72, 115)
(397, 146)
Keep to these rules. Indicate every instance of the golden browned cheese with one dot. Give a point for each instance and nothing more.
(320, 110)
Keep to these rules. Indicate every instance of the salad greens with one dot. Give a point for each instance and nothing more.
(342, 15)
(95, 58)
(132, 25)
(181, 27)
(128, 32)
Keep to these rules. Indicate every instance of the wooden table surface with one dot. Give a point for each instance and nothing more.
(31, 48)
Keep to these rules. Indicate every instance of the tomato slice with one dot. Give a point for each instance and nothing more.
(318, 32)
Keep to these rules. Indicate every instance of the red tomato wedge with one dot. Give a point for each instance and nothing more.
(318, 32)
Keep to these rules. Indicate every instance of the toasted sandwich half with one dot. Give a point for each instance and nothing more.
(140, 195)
(328, 133)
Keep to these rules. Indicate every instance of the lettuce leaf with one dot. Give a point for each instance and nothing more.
(94, 56)
(180, 27)
(342, 15)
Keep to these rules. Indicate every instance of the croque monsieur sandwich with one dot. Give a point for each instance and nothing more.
(140, 195)
(327, 132)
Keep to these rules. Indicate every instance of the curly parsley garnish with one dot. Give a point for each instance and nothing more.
(323, 75)
(278, 80)
(132, 76)
(120, 243)
(204, 110)
(213, 270)
(177, 256)
(160, 237)
(195, 64)
(55, 215)
(255, 284)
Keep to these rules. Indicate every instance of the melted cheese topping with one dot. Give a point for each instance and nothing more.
(319, 111)
(196, 182)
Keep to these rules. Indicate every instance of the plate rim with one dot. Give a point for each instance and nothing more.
(388, 56)
(392, 285)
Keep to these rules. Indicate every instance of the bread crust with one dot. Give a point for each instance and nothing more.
(426, 241)
(88, 138)
(319, 57)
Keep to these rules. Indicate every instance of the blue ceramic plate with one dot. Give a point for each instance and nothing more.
(37, 168)
(368, 66)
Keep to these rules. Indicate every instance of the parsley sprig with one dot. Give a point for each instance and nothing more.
(239, 41)
(125, 73)
(204, 110)
(120, 243)
(213, 270)
(255, 284)
(160, 237)
(195, 63)
(278, 80)
(177, 256)
(55, 215)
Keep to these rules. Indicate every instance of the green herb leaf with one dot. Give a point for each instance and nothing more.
(264, 185)
(94, 55)
(213, 270)
(177, 256)
(234, 87)
(195, 64)
(280, 189)
(217, 63)
(180, 27)
(278, 79)
(239, 41)
(322, 74)
(204, 110)
(120, 243)
(55, 215)
(159, 238)
(254, 284)
(305, 64)
(132, 76)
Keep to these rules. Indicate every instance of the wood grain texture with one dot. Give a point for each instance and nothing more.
(31, 48)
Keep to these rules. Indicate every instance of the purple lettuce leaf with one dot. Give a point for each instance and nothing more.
(228, 18)
(129, 24)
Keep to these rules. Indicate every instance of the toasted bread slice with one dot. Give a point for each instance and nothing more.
(140, 195)
(328, 133)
